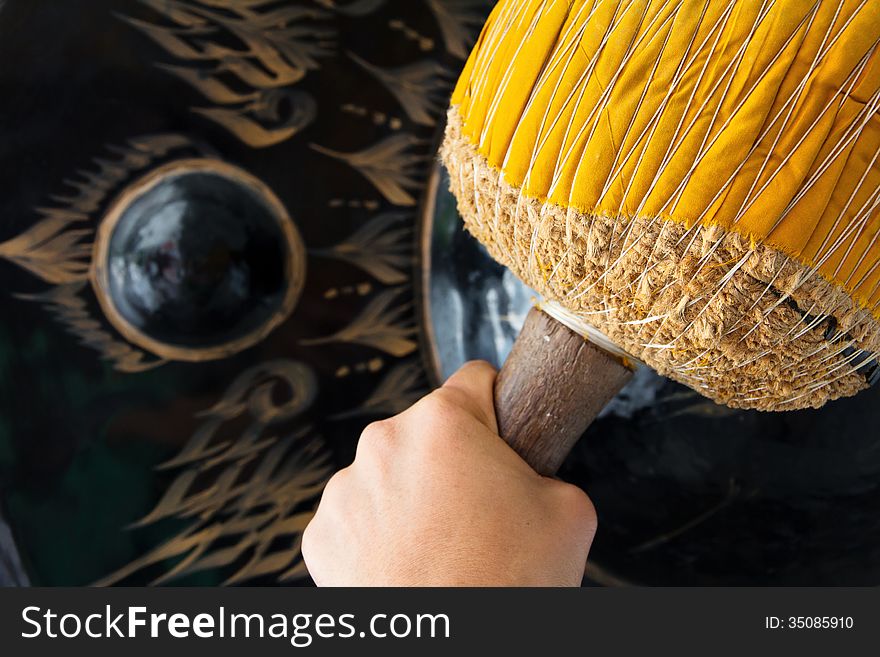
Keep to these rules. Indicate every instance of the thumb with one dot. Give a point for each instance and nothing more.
(475, 382)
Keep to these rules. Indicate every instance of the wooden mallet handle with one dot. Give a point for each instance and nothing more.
(551, 387)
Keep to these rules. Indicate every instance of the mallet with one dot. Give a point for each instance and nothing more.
(692, 184)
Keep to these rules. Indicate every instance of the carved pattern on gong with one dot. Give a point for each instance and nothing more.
(249, 85)
(247, 496)
(58, 247)
(247, 478)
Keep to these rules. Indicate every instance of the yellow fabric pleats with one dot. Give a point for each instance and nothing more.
(759, 116)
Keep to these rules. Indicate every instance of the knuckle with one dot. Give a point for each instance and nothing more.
(377, 436)
(310, 543)
(313, 548)
(321, 527)
(376, 447)
(334, 491)
(441, 405)
(578, 506)
(378, 431)
(437, 420)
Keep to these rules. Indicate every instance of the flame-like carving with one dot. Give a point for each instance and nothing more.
(422, 88)
(250, 494)
(404, 385)
(381, 247)
(57, 249)
(391, 165)
(72, 310)
(276, 48)
(385, 324)
(459, 21)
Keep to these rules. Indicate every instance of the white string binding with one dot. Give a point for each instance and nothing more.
(586, 331)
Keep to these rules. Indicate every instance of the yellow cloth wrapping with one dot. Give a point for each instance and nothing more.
(758, 116)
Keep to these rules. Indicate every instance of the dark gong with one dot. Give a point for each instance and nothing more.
(225, 247)
(196, 259)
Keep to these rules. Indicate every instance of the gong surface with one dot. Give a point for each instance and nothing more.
(209, 219)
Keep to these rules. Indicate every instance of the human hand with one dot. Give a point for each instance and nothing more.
(436, 498)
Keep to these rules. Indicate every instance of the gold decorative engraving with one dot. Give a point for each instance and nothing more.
(354, 203)
(403, 386)
(64, 302)
(57, 248)
(302, 111)
(278, 46)
(372, 366)
(382, 248)
(388, 165)
(247, 498)
(383, 324)
(460, 22)
(294, 265)
(49, 251)
(54, 251)
(422, 88)
(425, 43)
(361, 290)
